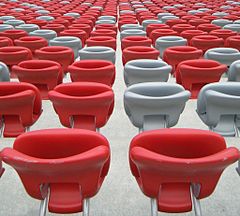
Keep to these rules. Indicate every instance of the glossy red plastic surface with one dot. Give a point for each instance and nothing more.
(44, 74)
(177, 54)
(194, 74)
(233, 42)
(139, 52)
(71, 163)
(81, 34)
(62, 55)
(20, 106)
(223, 33)
(135, 41)
(205, 42)
(100, 71)
(13, 34)
(107, 41)
(166, 162)
(85, 105)
(155, 34)
(5, 41)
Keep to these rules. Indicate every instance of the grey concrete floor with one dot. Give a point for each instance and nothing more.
(120, 195)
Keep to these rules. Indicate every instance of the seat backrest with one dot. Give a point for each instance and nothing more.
(83, 99)
(218, 99)
(153, 99)
(234, 71)
(169, 156)
(60, 156)
(8, 91)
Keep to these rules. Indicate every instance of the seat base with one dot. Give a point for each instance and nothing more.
(12, 126)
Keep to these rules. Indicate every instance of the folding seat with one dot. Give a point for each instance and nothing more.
(47, 18)
(131, 26)
(222, 22)
(4, 73)
(218, 107)
(107, 18)
(126, 21)
(5, 41)
(97, 52)
(160, 15)
(27, 27)
(208, 27)
(45, 33)
(220, 14)
(162, 43)
(12, 55)
(20, 107)
(189, 34)
(223, 55)
(173, 22)
(146, 70)
(139, 52)
(4, 27)
(154, 105)
(85, 27)
(155, 34)
(132, 32)
(44, 74)
(233, 27)
(205, 42)
(66, 165)
(31, 42)
(13, 34)
(68, 41)
(152, 27)
(14, 22)
(233, 42)
(223, 33)
(100, 71)
(61, 54)
(106, 26)
(5, 18)
(194, 74)
(135, 41)
(182, 27)
(234, 71)
(40, 23)
(81, 34)
(72, 14)
(177, 54)
(85, 105)
(147, 22)
(178, 167)
(102, 41)
(104, 32)
(55, 27)
(164, 19)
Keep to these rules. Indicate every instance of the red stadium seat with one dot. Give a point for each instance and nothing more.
(104, 32)
(81, 34)
(135, 41)
(205, 42)
(178, 167)
(139, 52)
(100, 71)
(189, 34)
(223, 33)
(155, 26)
(55, 27)
(208, 27)
(60, 54)
(5, 41)
(20, 107)
(31, 42)
(68, 166)
(85, 27)
(233, 42)
(155, 34)
(179, 28)
(194, 74)
(176, 54)
(106, 26)
(12, 55)
(44, 74)
(13, 34)
(107, 41)
(84, 105)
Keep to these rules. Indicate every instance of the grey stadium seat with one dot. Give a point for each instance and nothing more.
(4, 73)
(234, 71)
(146, 70)
(218, 106)
(154, 105)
